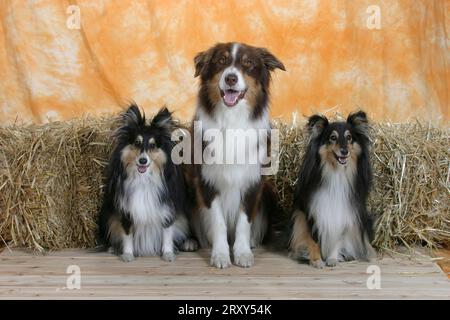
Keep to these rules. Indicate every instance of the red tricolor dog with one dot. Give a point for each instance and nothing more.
(233, 200)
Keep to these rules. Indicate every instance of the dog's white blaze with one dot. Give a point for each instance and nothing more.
(234, 51)
(240, 85)
(332, 211)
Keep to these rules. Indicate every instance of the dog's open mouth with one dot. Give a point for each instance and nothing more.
(142, 169)
(341, 160)
(231, 97)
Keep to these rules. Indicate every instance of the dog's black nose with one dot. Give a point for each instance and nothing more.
(142, 161)
(231, 79)
(344, 151)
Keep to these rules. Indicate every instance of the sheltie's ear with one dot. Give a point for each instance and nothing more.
(128, 122)
(316, 124)
(133, 117)
(359, 122)
(163, 120)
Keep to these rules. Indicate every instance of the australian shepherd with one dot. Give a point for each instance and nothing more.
(330, 218)
(143, 211)
(232, 198)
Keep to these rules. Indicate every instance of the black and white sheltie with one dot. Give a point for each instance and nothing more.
(233, 200)
(144, 200)
(330, 218)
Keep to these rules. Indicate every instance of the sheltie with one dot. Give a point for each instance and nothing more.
(143, 211)
(330, 218)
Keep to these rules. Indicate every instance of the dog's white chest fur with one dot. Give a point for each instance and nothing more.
(233, 179)
(142, 201)
(332, 209)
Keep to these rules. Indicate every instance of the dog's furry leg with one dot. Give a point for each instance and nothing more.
(121, 237)
(127, 247)
(167, 244)
(301, 238)
(243, 256)
(217, 234)
(332, 259)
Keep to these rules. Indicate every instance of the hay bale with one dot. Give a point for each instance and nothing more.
(411, 195)
(51, 179)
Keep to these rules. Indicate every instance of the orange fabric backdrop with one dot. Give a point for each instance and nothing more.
(143, 51)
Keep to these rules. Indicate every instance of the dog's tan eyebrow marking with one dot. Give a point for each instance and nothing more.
(334, 133)
(139, 138)
(151, 140)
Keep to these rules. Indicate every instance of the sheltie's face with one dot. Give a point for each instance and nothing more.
(234, 72)
(144, 148)
(143, 154)
(340, 143)
(338, 146)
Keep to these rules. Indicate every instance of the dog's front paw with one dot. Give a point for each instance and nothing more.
(301, 254)
(189, 245)
(168, 256)
(244, 259)
(220, 259)
(319, 264)
(127, 257)
(331, 262)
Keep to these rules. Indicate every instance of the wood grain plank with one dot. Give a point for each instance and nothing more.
(27, 275)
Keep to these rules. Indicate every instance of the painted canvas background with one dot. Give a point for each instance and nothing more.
(336, 58)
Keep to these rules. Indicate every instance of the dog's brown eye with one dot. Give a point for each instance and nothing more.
(152, 146)
(222, 60)
(349, 138)
(248, 63)
(137, 143)
(333, 138)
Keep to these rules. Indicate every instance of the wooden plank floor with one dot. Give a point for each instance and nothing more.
(26, 275)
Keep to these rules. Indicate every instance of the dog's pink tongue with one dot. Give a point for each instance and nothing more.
(231, 97)
(142, 169)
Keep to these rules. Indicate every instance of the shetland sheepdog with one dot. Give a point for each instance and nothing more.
(330, 218)
(143, 211)
(233, 200)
